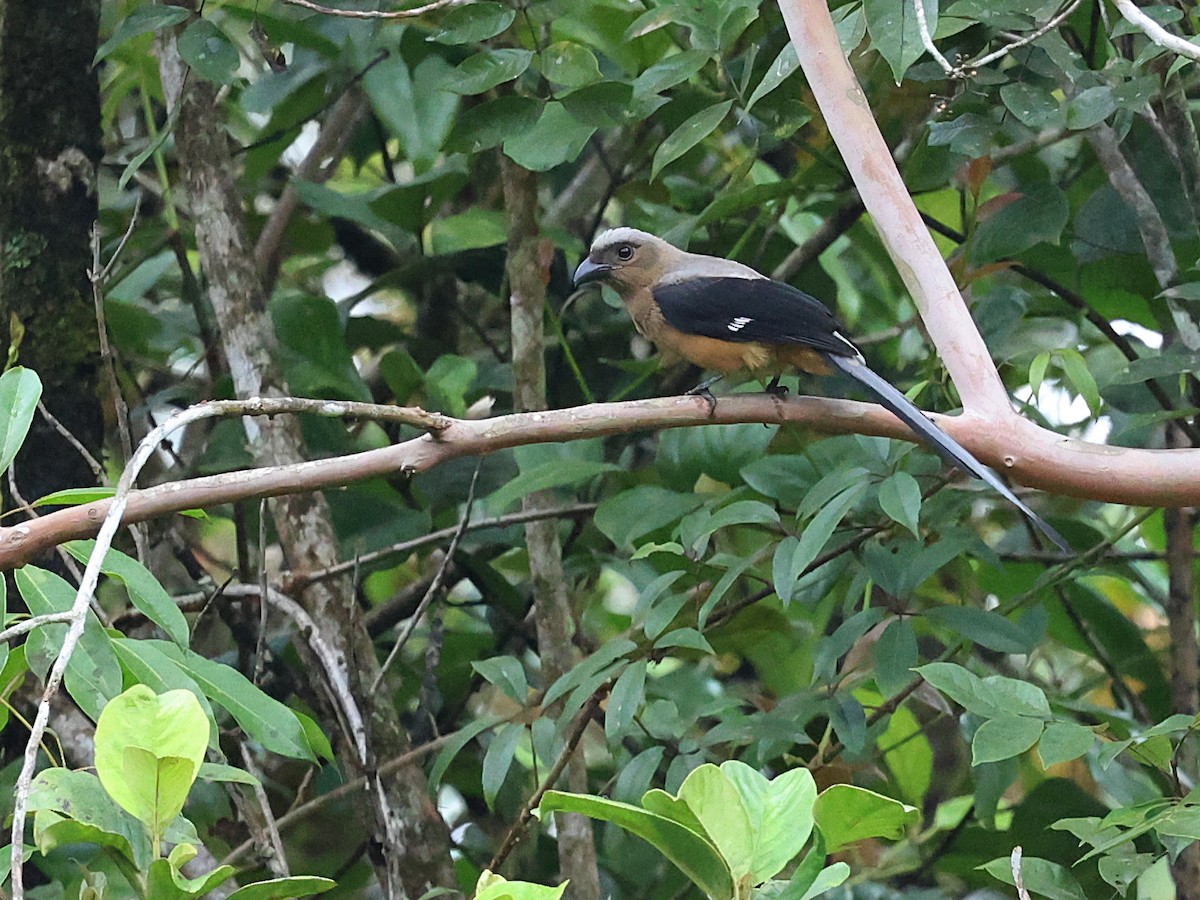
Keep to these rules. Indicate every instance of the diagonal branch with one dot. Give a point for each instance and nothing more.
(865, 153)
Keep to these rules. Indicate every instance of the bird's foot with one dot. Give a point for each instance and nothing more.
(777, 390)
(702, 390)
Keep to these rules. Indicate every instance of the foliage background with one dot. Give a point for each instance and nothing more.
(672, 599)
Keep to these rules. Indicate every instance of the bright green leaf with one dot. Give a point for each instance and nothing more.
(20, 390)
(900, 499)
(691, 854)
(846, 813)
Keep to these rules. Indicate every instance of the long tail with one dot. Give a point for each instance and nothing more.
(945, 446)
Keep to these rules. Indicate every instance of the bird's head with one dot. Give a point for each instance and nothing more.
(627, 259)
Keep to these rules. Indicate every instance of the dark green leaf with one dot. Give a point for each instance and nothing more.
(142, 20)
(556, 138)
(1064, 741)
(483, 71)
(984, 627)
(209, 51)
(569, 64)
(895, 654)
(498, 759)
(1038, 215)
(146, 594)
(625, 700)
(895, 33)
(785, 64)
(693, 130)
(506, 673)
(900, 499)
(490, 123)
(473, 22)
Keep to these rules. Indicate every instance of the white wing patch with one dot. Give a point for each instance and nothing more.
(738, 324)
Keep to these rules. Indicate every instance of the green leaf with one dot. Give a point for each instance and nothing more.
(793, 556)
(148, 665)
(149, 748)
(1037, 371)
(75, 496)
(93, 675)
(557, 137)
(455, 745)
(717, 805)
(849, 721)
(57, 794)
(495, 887)
(506, 673)
(626, 699)
(1041, 877)
(694, 129)
(1081, 379)
(1090, 107)
(1037, 216)
(1064, 741)
(895, 33)
(1032, 104)
(20, 390)
(142, 20)
(895, 654)
(846, 813)
(629, 515)
(690, 853)
(473, 22)
(963, 687)
(146, 594)
(209, 51)
(489, 124)
(780, 812)
(990, 629)
(498, 759)
(569, 64)
(785, 64)
(1004, 737)
(669, 72)
(165, 878)
(284, 888)
(900, 499)
(221, 772)
(483, 71)
(263, 718)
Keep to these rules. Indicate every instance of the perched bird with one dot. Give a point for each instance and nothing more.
(725, 317)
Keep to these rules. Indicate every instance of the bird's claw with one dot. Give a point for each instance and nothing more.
(702, 391)
(777, 390)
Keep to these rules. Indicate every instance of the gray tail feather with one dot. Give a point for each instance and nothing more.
(945, 446)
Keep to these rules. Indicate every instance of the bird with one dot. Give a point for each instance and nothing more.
(725, 317)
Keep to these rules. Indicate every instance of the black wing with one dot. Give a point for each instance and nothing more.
(746, 310)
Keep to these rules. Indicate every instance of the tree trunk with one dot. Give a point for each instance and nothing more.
(49, 150)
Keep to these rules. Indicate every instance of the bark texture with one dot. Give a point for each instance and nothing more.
(529, 256)
(410, 840)
(49, 150)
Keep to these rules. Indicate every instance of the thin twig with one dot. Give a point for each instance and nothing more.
(927, 42)
(375, 13)
(65, 433)
(570, 742)
(1023, 40)
(1018, 876)
(276, 860)
(27, 625)
(295, 580)
(435, 585)
(260, 644)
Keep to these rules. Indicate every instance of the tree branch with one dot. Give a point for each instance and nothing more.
(1156, 32)
(1034, 456)
(865, 153)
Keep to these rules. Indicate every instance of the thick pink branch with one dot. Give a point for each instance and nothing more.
(852, 125)
(1030, 455)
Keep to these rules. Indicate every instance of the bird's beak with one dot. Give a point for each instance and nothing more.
(589, 271)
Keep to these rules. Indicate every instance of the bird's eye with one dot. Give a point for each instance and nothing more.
(625, 252)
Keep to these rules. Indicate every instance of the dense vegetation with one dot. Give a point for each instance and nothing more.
(295, 202)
